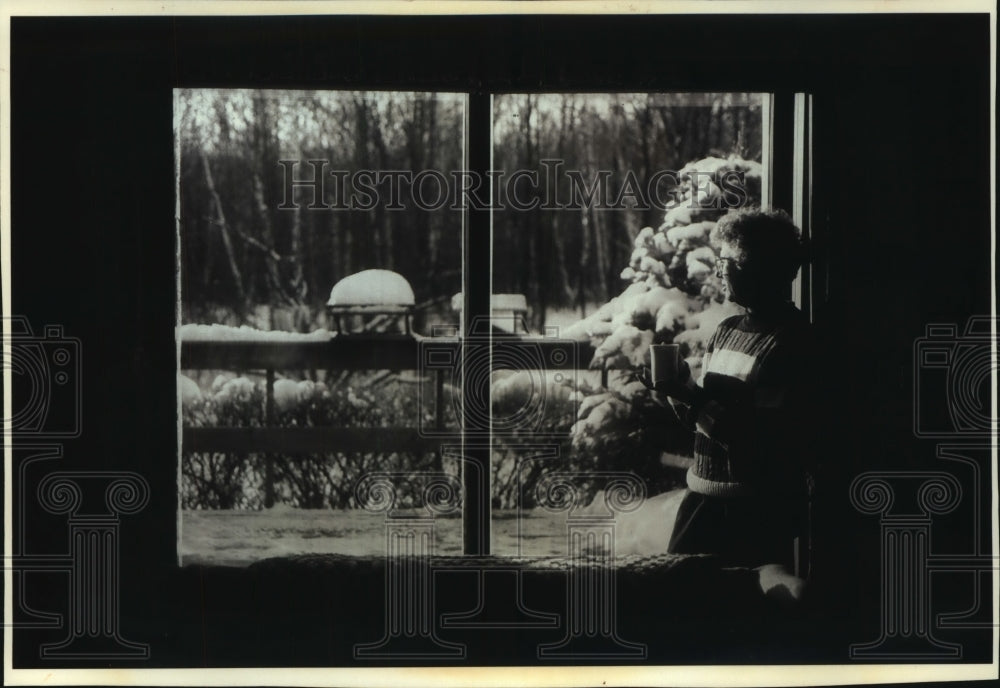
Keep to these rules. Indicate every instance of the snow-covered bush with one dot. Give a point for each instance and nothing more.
(526, 404)
(356, 400)
(673, 295)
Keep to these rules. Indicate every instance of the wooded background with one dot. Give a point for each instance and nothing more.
(245, 260)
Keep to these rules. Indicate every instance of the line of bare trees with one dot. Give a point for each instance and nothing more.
(247, 242)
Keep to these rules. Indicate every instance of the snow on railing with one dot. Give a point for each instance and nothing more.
(226, 333)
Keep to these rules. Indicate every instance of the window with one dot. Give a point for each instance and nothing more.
(581, 233)
(574, 226)
(282, 196)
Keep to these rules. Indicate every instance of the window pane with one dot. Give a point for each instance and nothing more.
(281, 196)
(604, 207)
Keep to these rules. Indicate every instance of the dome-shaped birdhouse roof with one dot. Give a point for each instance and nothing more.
(372, 288)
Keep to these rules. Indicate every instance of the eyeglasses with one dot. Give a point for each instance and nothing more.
(725, 265)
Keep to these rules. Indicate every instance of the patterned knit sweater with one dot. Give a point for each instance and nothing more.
(751, 407)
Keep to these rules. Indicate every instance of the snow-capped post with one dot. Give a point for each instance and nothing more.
(409, 547)
(379, 298)
(592, 594)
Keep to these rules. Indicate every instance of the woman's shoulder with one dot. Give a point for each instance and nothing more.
(733, 322)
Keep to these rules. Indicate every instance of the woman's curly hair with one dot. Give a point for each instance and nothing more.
(768, 239)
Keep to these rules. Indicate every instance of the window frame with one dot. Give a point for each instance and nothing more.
(786, 183)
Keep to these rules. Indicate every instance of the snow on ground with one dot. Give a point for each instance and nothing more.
(238, 538)
(196, 333)
(647, 529)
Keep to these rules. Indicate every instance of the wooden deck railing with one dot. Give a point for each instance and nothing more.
(351, 352)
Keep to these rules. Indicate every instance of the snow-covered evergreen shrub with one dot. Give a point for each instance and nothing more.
(673, 295)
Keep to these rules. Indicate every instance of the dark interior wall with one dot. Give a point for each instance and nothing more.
(901, 211)
(904, 156)
(901, 184)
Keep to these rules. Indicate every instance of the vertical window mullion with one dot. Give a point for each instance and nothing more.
(779, 157)
(802, 194)
(476, 288)
(767, 150)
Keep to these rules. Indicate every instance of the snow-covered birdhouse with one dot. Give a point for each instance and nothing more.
(371, 301)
